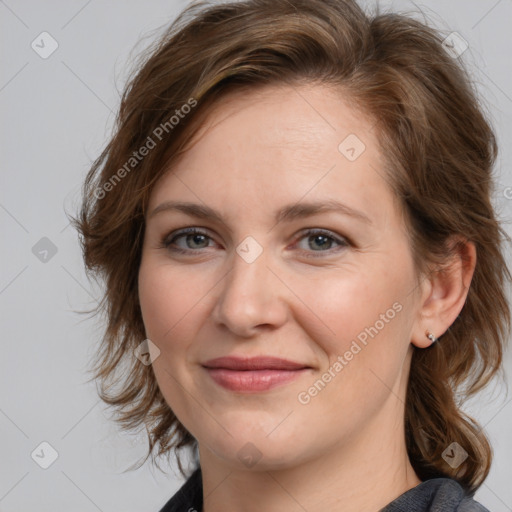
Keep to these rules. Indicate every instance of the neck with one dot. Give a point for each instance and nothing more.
(363, 474)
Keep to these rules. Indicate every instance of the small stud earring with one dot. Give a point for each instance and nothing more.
(431, 337)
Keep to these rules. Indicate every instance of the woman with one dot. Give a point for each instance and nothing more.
(303, 268)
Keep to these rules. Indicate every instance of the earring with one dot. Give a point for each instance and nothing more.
(431, 337)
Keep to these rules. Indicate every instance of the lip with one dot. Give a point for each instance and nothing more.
(253, 374)
(254, 363)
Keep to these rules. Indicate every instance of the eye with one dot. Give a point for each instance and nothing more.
(196, 239)
(324, 240)
(193, 236)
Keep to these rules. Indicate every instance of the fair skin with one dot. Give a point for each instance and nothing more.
(345, 448)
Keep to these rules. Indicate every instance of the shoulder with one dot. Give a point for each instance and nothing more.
(189, 497)
(435, 495)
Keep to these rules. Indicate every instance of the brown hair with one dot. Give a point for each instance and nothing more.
(439, 151)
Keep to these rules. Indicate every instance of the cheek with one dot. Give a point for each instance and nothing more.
(363, 322)
(169, 298)
(170, 303)
(360, 304)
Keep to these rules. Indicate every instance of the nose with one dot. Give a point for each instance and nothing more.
(251, 297)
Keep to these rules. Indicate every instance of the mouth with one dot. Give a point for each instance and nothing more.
(253, 374)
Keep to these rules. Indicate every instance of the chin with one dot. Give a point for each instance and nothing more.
(256, 454)
(256, 444)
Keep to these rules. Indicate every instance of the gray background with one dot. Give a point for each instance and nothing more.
(56, 115)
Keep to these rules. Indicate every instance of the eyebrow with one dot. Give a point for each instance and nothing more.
(287, 213)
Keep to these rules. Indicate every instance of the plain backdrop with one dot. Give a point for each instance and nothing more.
(56, 116)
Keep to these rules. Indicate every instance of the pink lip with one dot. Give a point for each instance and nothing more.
(253, 374)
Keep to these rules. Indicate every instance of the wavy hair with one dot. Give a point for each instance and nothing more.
(439, 150)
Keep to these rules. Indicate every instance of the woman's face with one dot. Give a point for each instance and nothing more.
(331, 290)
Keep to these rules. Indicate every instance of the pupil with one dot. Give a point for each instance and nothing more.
(321, 237)
(196, 237)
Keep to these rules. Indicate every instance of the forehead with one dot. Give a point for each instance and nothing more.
(278, 144)
(309, 116)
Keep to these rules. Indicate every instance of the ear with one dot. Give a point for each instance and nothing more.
(444, 293)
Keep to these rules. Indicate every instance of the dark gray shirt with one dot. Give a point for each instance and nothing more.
(435, 495)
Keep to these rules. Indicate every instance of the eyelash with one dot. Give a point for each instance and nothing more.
(167, 241)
